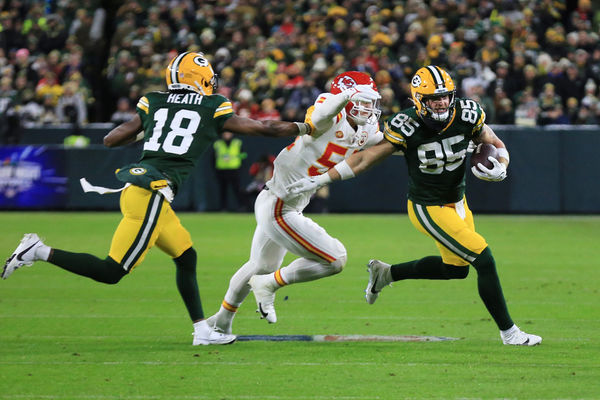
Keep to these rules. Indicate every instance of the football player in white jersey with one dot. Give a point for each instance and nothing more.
(343, 121)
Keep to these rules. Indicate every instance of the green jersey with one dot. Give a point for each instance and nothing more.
(436, 159)
(178, 127)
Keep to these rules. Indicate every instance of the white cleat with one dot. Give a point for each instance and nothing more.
(204, 334)
(213, 321)
(516, 337)
(24, 254)
(264, 294)
(379, 277)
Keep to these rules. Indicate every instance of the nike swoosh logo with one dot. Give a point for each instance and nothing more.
(373, 286)
(25, 251)
(262, 312)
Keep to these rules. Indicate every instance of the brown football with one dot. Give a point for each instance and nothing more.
(481, 154)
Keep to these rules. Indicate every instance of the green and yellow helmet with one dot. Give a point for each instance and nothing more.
(428, 83)
(191, 71)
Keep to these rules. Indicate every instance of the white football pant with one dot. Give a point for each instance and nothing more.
(280, 229)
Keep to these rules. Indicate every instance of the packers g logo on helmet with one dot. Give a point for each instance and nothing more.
(416, 81)
(429, 83)
(191, 71)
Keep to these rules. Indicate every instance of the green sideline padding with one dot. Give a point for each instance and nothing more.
(552, 171)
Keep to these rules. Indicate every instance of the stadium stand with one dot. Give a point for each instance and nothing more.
(528, 62)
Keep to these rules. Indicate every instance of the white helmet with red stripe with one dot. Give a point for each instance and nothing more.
(360, 111)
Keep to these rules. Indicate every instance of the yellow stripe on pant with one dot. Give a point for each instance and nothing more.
(455, 236)
(147, 220)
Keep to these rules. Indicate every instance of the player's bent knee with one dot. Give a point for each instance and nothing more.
(338, 265)
(484, 262)
(456, 272)
(114, 272)
(187, 260)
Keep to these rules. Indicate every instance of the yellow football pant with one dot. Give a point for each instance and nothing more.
(148, 219)
(454, 234)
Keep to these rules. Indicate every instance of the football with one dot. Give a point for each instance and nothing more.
(481, 154)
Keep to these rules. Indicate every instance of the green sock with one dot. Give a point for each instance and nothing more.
(431, 267)
(490, 290)
(105, 271)
(187, 283)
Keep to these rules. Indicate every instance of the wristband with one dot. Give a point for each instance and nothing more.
(303, 128)
(323, 179)
(344, 170)
(502, 152)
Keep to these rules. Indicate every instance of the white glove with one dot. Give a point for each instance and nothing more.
(472, 146)
(308, 184)
(495, 174)
(362, 92)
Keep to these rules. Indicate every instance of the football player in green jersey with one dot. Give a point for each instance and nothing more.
(177, 126)
(434, 136)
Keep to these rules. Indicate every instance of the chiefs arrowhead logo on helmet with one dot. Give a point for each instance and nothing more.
(363, 112)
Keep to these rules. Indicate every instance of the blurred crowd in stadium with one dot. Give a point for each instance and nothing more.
(527, 62)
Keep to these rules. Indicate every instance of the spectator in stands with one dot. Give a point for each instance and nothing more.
(572, 110)
(261, 171)
(268, 111)
(48, 112)
(505, 114)
(571, 83)
(49, 89)
(527, 110)
(551, 107)
(124, 112)
(22, 65)
(71, 107)
(502, 81)
(302, 97)
(9, 122)
(54, 35)
(590, 98)
(477, 92)
(314, 40)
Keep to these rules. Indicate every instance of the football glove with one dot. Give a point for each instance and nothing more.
(308, 184)
(496, 174)
(362, 92)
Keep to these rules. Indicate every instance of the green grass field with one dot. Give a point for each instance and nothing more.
(67, 337)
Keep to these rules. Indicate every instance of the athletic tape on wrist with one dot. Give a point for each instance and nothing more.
(303, 128)
(502, 152)
(344, 170)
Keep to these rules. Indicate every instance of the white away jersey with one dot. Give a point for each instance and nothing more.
(309, 156)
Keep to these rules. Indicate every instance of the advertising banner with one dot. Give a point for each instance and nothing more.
(32, 177)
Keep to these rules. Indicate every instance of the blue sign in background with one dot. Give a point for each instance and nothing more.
(32, 177)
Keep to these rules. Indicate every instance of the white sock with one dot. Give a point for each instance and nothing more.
(238, 284)
(42, 252)
(223, 319)
(304, 270)
(510, 331)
